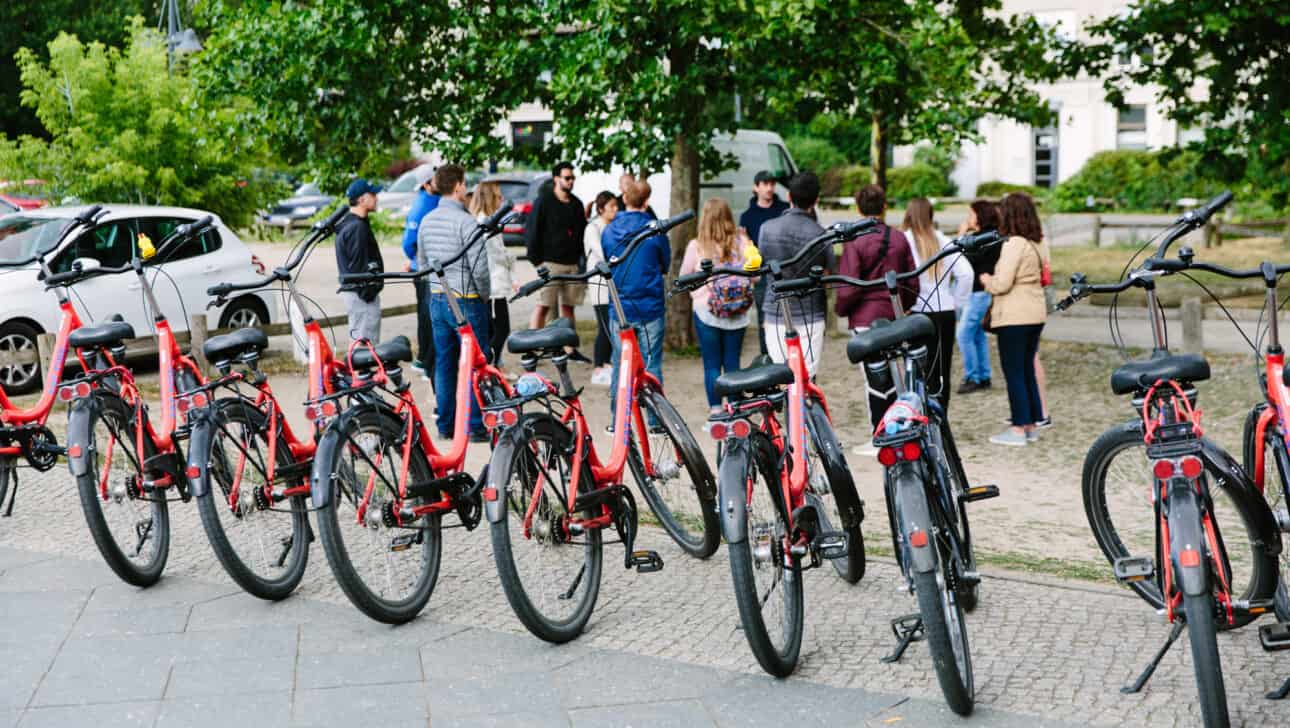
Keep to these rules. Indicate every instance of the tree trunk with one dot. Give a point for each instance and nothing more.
(878, 151)
(684, 196)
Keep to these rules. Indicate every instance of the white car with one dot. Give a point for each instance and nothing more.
(28, 310)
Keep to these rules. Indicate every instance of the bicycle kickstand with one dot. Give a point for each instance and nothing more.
(1280, 693)
(908, 629)
(1141, 682)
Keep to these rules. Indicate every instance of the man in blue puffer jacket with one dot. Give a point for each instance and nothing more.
(639, 280)
(426, 200)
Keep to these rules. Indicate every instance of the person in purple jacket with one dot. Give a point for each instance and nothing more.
(869, 257)
(426, 200)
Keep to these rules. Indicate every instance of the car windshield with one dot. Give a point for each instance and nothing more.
(407, 182)
(22, 236)
(514, 190)
(307, 190)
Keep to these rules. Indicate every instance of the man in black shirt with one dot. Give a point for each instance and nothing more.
(357, 252)
(765, 205)
(553, 237)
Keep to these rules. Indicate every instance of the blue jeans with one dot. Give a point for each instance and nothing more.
(720, 349)
(1018, 346)
(649, 336)
(447, 347)
(972, 341)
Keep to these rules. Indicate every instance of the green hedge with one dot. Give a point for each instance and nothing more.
(917, 180)
(1136, 180)
(994, 189)
(844, 181)
(814, 154)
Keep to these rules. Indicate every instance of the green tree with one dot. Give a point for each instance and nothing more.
(1214, 64)
(123, 129)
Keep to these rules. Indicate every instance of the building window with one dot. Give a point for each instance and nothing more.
(1046, 157)
(1131, 130)
(530, 136)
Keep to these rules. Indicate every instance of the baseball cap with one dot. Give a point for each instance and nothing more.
(360, 187)
(423, 174)
(763, 176)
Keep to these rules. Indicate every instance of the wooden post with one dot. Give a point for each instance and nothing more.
(1193, 326)
(45, 350)
(1097, 231)
(197, 335)
(1207, 240)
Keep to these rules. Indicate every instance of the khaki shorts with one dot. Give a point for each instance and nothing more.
(571, 294)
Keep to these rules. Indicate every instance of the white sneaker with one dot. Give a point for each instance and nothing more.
(1010, 437)
(866, 449)
(602, 376)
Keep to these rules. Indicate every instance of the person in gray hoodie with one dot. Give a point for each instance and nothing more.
(442, 233)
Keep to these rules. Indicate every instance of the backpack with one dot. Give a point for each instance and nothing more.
(730, 297)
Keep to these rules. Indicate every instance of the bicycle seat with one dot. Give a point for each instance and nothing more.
(391, 353)
(1140, 375)
(227, 347)
(113, 332)
(555, 335)
(755, 379)
(884, 335)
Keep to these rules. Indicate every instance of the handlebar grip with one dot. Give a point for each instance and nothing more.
(671, 222)
(528, 289)
(330, 222)
(793, 285)
(691, 281)
(851, 230)
(87, 217)
(220, 289)
(976, 241)
(1217, 203)
(496, 218)
(358, 277)
(1065, 303)
(58, 279)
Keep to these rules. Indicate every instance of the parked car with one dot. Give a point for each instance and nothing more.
(7, 207)
(397, 198)
(27, 194)
(299, 209)
(28, 310)
(522, 189)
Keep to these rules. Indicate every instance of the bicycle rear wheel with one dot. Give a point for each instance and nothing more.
(131, 528)
(830, 485)
(1276, 486)
(1118, 491)
(8, 473)
(387, 571)
(767, 579)
(680, 490)
(1203, 635)
(263, 546)
(952, 469)
(550, 578)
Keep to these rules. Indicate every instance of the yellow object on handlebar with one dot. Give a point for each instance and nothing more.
(752, 257)
(146, 249)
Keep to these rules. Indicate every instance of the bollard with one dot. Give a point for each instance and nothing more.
(197, 335)
(1193, 326)
(1097, 231)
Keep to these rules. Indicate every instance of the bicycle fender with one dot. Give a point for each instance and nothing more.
(1186, 534)
(913, 517)
(1240, 487)
(499, 474)
(319, 478)
(80, 422)
(202, 426)
(732, 490)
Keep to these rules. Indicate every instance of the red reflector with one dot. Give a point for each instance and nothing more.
(918, 539)
(718, 430)
(490, 494)
(329, 409)
(183, 404)
(523, 208)
(1192, 467)
(510, 417)
(74, 451)
(1164, 469)
(490, 420)
(200, 399)
(311, 413)
(741, 428)
(192, 471)
(887, 457)
(82, 389)
(1189, 558)
(65, 394)
(911, 451)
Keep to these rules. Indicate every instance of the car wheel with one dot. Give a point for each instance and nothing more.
(17, 337)
(245, 312)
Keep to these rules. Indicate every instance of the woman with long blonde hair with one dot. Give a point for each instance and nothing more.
(483, 203)
(721, 307)
(941, 289)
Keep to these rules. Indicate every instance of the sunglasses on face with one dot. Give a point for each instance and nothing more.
(567, 177)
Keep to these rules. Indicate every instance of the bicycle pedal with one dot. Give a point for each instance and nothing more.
(403, 542)
(831, 545)
(452, 484)
(1275, 637)
(1252, 606)
(970, 578)
(908, 627)
(646, 562)
(1133, 568)
(980, 493)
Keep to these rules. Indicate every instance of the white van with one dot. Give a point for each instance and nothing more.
(756, 150)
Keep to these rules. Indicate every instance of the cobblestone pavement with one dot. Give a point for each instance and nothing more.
(1041, 647)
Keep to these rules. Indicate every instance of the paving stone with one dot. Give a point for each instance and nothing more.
(77, 679)
(584, 682)
(348, 668)
(231, 677)
(480, 652)
(758, 700)
(42, 603)
(102, 715)
(11, 557)
(238, 643)
(246, 709)
(22, 665)
(507, 693)
(548, 719)
(171, 591)
(387, 705)
(680, 714)
(121, 622)
(9, 718)
(66, 575)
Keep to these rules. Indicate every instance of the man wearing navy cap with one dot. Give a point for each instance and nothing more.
(357, 252)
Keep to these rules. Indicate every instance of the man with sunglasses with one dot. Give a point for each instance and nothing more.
(553, 237)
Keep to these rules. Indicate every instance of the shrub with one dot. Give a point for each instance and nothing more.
(994, 189)
(939, 159)
(1136, 180)
(814, 154)
(844, 181)
(917, 180)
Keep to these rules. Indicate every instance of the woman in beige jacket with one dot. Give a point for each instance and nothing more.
(1018, 312)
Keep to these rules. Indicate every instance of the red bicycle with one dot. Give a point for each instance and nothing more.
(124, 466)
(551, 495)
(23, 432)
(247, 468)
(380, 485)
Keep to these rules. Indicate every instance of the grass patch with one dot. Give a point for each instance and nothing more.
(1081, 570)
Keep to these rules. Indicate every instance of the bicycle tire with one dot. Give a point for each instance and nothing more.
(370, 422)
(1203, 635)
(755, 460)
(1100, 455)
(511, 462)
(685, 449)
(933, 604)
(8, 470)
(827, 449)
(969, 594)
(229, 413)
(110, 416)
(1274, 447)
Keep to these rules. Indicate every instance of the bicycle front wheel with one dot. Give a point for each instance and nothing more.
(131, 528)
(678, 485)
(387, 571)
(551, 577)
(1276, 486)
(8, 473)
(767, 579)
(264, 546)
(1202, 631)
(830, 486)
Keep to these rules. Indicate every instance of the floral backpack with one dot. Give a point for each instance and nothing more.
(731, 296)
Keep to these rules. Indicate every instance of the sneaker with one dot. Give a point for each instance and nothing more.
(419, 367)
(1045, 423)
(984, 384)
(1032, 435)
(1011, 438)
(602, 376)
(578, 356)
(865, 449)
(967, 387)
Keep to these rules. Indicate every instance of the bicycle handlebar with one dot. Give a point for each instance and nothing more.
(961, 245)
(317, 232)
